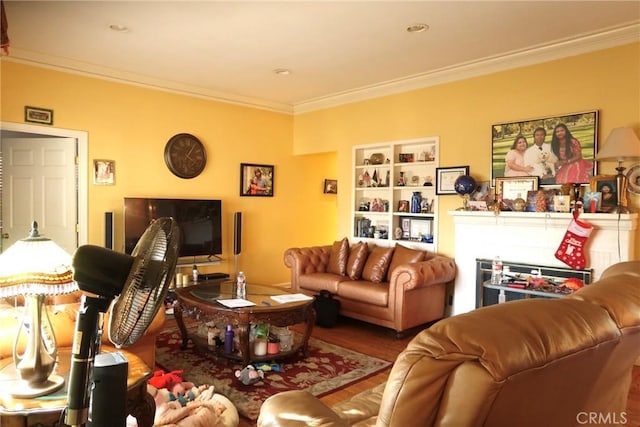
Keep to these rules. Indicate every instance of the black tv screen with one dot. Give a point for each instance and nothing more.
(200, 223)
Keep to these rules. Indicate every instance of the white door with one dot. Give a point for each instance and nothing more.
(39, 184)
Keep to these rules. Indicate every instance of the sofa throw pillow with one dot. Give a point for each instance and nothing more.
(357, 259)
(338, 257)
(375, 269)
(404, 255)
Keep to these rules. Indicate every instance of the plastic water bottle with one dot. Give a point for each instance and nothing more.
(194, 273)
(228, 339)
(241, 284)
(496, 271)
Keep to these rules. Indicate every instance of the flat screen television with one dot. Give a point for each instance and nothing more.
(200, 223)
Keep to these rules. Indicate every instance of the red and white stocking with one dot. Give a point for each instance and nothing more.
(571, 250)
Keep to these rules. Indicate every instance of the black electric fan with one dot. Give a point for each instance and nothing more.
(135, 287)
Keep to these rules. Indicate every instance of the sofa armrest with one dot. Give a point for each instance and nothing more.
(313, 259)
(297, 409)
(435, 270)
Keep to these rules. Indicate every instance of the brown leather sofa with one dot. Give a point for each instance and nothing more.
(535, 362)
(395, 287)
(63, 313)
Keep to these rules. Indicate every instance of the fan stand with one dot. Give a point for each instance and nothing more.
(85, 347)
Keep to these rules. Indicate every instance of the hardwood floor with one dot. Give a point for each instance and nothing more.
(382, 343)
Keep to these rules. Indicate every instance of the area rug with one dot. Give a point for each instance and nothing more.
(327, 369)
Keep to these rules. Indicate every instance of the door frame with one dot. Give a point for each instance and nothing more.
(82, 142)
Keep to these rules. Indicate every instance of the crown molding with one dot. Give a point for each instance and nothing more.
(585, 43)
(613, 37)
(104, 73)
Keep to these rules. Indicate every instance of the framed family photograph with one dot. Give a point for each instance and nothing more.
(104, 172)
(608, 187)
(557, 149)
(331, 186)
(446, 178)
(256, 180)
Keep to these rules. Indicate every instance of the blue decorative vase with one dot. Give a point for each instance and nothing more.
(416, 201)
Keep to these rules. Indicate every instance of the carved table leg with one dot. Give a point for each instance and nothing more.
(177, 313)
(142, 406)
(310, 317)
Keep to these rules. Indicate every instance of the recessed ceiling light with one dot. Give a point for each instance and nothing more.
(282, 71)
(119, 28)
(417, 28)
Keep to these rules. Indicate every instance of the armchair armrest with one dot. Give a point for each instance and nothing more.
(308, 260)
(435, 270)
(297, 409)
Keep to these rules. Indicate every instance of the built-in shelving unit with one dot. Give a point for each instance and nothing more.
(385, 177)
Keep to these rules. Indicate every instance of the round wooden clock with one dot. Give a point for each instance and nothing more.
(185, 155)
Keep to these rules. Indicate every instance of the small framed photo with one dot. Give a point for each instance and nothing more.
(256, 180)
(446, 178)
(403, 206)
(606, 184)
(104, 172)
(38, 115)
(330, 186)
(508, 189)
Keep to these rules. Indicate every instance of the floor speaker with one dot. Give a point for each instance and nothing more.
(108, 406)
(108, 230)
(237, 233)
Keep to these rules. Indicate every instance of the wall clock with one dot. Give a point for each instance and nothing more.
(185, 155)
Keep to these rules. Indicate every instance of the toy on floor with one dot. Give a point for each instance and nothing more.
(204, 410)
(249, 375)
(160, 379)
(266, 367)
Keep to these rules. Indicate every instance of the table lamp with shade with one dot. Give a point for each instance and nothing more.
(34, 267)
(621, 145)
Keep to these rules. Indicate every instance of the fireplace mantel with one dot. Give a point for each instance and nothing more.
(532, 238)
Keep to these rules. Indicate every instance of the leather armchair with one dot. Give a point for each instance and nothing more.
(532, 362)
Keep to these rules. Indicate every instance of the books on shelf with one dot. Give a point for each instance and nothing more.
(283, 299)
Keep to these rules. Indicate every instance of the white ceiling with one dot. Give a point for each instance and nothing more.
(337, 51)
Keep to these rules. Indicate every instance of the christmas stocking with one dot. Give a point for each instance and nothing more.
(571, 250)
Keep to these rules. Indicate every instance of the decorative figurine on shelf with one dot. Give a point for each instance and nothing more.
(402, 181)
(425, 206)
(428, 181)
(464, 185)
(541, 203)
(416, 202)
(397, 234)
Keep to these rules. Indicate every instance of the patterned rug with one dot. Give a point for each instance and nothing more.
(326, 369)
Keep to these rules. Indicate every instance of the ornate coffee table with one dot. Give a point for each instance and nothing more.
(201, 302)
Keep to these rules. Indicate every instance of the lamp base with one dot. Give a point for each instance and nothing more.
(22, 389)
(620, 210)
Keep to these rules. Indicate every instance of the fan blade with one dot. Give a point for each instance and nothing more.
(155, 257)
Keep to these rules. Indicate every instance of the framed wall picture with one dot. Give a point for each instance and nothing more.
(43, 116)
(104, 172)
(446, 178)
(606, 184)
(330, 186)
(256, 180)
(556, 149)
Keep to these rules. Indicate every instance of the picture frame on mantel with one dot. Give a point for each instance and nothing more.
(446, 178)
(551, 163)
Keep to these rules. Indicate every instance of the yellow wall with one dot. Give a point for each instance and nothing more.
(461, 114)
(131, 125)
